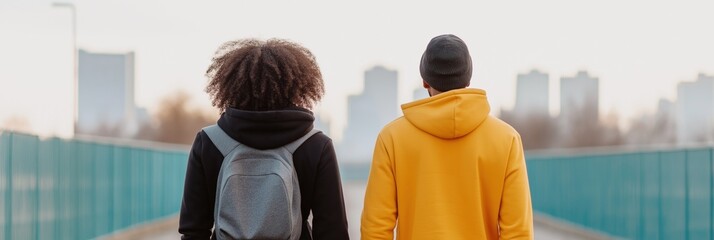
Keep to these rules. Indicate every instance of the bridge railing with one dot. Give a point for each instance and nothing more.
(634, 194)
(84, 187)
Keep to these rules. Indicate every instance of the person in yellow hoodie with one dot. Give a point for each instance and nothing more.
(447, 169)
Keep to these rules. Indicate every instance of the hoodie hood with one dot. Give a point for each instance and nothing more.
(266, 129)
(449, 115)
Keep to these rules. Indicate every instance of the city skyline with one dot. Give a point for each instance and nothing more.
(174, 45)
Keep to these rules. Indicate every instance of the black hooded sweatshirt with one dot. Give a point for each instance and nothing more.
(315, 165)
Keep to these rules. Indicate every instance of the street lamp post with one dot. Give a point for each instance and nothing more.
(74, 63)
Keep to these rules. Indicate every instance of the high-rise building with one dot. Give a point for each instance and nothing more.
(368, 112)
(106, 94)
(695, 110)
(579, 95)
(657, 128)
(532, 94)
(666, 110)
(665, 120)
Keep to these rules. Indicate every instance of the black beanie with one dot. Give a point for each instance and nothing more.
(446, 63)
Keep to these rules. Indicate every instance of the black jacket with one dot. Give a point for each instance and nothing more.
(315, 165)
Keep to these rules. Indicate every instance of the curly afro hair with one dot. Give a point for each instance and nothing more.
(257, 75)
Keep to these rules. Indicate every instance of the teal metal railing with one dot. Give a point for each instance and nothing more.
(665, 194)
(84, 188)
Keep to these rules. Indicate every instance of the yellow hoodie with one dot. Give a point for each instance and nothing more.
(448, 170)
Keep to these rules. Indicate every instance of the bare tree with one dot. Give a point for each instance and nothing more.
(175, 121)
(652, 129)
(538, 131)
(583, 128)
(580, 128)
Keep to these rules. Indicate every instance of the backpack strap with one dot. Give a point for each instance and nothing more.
(291, 147)
(220, 139)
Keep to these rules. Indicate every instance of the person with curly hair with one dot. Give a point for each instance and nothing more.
(264, 90)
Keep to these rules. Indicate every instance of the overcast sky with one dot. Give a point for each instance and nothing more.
(639, 49)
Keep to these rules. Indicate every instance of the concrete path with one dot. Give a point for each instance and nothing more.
(545, 228)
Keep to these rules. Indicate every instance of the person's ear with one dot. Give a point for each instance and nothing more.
(426, 85)
(468, 84)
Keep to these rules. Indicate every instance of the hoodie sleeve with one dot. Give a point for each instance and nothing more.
(329, 217)
(196, 218)
(380, 202)
(516, 214)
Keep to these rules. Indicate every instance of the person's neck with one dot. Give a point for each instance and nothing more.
(433, 92)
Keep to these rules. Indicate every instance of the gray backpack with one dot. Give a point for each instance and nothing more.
(257, 195)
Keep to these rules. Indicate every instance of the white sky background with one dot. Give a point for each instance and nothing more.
(639, 49)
